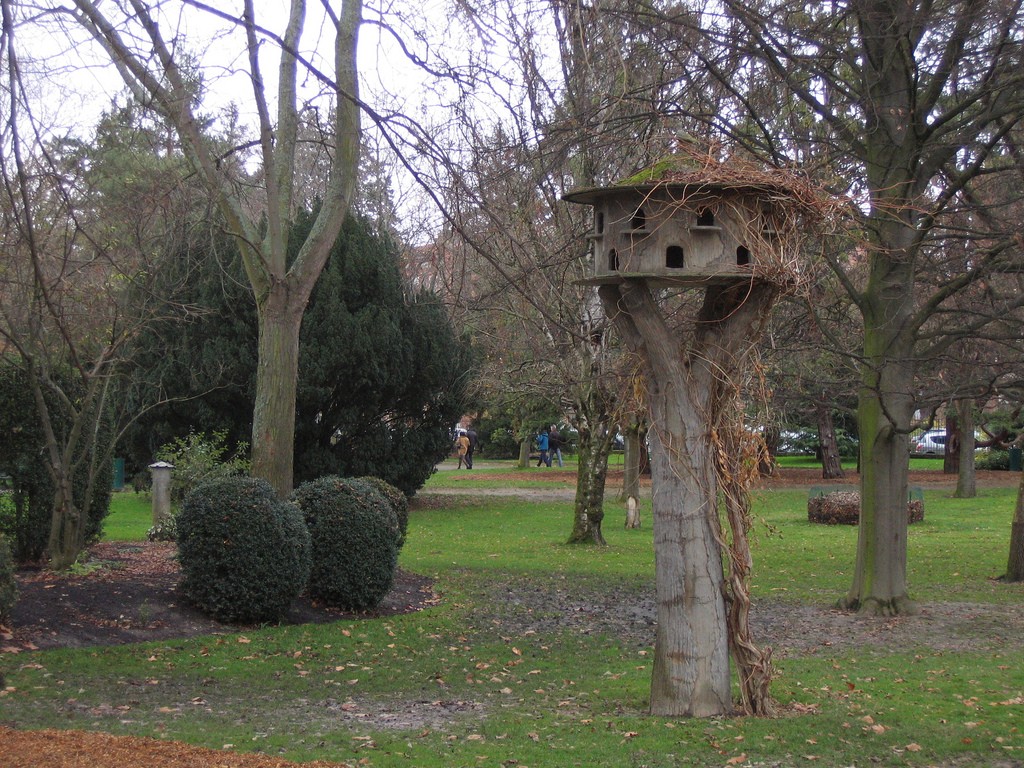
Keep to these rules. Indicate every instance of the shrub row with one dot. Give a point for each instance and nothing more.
(245, 555)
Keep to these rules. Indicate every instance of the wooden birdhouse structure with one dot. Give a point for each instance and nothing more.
(683, 223)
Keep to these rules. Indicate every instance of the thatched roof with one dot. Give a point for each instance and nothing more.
(690, 172)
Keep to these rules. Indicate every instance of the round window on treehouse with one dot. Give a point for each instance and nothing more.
(743, 256)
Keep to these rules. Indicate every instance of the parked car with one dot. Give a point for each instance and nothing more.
(930, 443)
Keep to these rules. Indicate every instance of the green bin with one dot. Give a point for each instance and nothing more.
(118, 474)
(1015, 459)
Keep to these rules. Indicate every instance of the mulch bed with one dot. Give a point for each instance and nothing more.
(127, 593)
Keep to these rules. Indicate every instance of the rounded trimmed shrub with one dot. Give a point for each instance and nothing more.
(8, 586)
(399, 503)
(355, 539)
(244, 553)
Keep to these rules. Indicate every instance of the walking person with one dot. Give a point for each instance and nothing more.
(462, 448)
(555, 443)
(543, 445)
(471, 434)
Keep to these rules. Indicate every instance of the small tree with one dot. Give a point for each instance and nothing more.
(198, 458)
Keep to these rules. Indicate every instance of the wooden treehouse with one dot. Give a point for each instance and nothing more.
(682, 224)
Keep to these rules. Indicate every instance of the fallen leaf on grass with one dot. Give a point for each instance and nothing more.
(806, 709)
(737, 760)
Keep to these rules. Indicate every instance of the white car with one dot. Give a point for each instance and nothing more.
(930, 443)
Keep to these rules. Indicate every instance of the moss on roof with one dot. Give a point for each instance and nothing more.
(659, 171)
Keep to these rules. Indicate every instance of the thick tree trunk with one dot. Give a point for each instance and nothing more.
(1015, 565)
(631, 462)
(273, 428)
(966, 485)
(884, 415)
(831, 464)
(691, 660)
(951, 456)
(686, 394)
(588, 511)
(524, 453)
(595, 429)
(67, 525)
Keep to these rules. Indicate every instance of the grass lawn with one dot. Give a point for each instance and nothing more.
(460, 685)
(131, 515)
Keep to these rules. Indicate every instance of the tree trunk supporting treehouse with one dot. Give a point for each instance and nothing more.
(690, 389)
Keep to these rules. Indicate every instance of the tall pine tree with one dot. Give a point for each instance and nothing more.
(382, 375)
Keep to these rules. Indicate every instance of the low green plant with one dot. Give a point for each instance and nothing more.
(355, 537)
(8, 585)
(244, 554)
(199, 458)
(993, 459)
(165, 530)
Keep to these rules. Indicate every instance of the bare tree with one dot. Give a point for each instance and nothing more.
(549, 115)
(74, 266)
(906, 108)
(141, 41)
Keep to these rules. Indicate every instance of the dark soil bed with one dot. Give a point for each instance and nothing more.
(127, 593)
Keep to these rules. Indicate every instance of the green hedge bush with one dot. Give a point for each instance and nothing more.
(8, 586)
(244, 553)
(399, 503)
(355, 538)
(993, 459)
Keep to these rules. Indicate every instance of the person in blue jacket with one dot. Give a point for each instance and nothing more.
(542, 447)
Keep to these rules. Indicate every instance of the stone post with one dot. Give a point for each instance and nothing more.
(161, 471)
